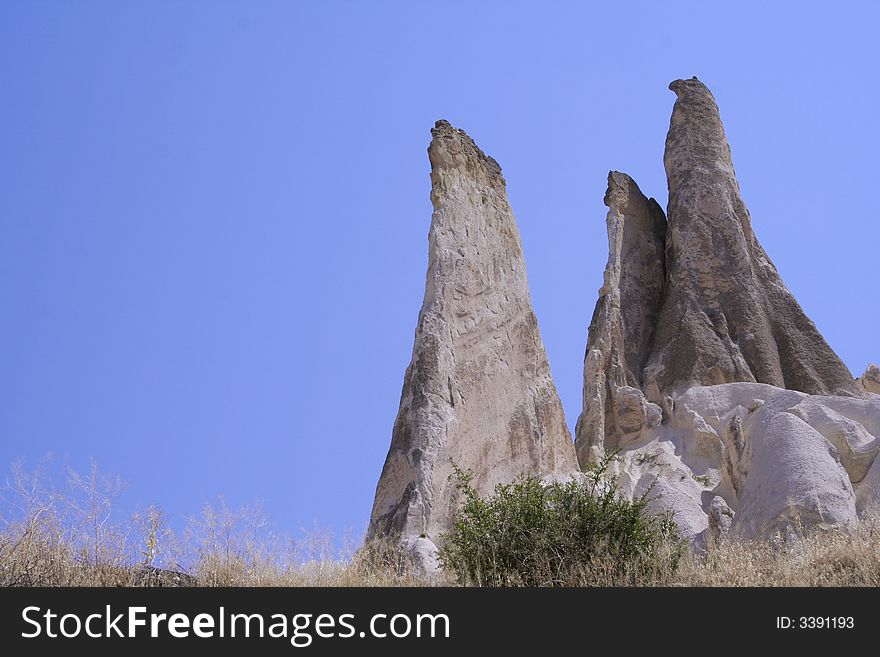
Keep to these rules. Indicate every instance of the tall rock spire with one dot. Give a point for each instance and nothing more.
(478, 391)
(622, 328)
(726, 316)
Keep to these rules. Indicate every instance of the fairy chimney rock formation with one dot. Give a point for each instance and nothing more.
(763, 430)
(726, 315)
(622, 327)
(478, 392)
(720, 399)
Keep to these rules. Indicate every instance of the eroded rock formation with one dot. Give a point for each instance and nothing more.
(478, 392)
(763, 430)
(622, 328)
(759, 459)
(870, 380)
(721, 399)
(727, 316)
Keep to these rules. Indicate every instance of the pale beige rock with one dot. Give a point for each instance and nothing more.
(478, 392)
(870, 380)
(868, 491)
(693, 318)
(623, 322)
(780, 460)
(720, 521)
(726, 314)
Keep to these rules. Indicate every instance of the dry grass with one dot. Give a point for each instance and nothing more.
(820, 558)
(815, 559)
(70, 537)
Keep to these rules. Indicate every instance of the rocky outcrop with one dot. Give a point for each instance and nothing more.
(757, 460)
(726, 316)
(870, 380)
(622, 327)
(723, 403)
(763, 429)
(478, 391)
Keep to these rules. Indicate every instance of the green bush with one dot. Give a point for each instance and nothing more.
(576, 533)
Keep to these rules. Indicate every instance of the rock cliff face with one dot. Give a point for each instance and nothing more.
(622, 328)
(478, 392)
(727, 316)
(763, 428)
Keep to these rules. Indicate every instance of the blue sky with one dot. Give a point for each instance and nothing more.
(213, 215)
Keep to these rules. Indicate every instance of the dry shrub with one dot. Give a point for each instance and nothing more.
(69, 536)
(66, 537)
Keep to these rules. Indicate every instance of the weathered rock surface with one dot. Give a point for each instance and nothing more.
(623, 322)
(757, 460)
(870, 380)
(763, 428)
(726, 315)
(725, 405)
(478, 392)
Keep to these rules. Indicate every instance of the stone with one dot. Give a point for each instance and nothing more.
(720, 520)
(622, 327)
(478, 392)
(726, 314)
(870, 380)
(421, 552)
(719, 396)
(779, 460)
(163, 577)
